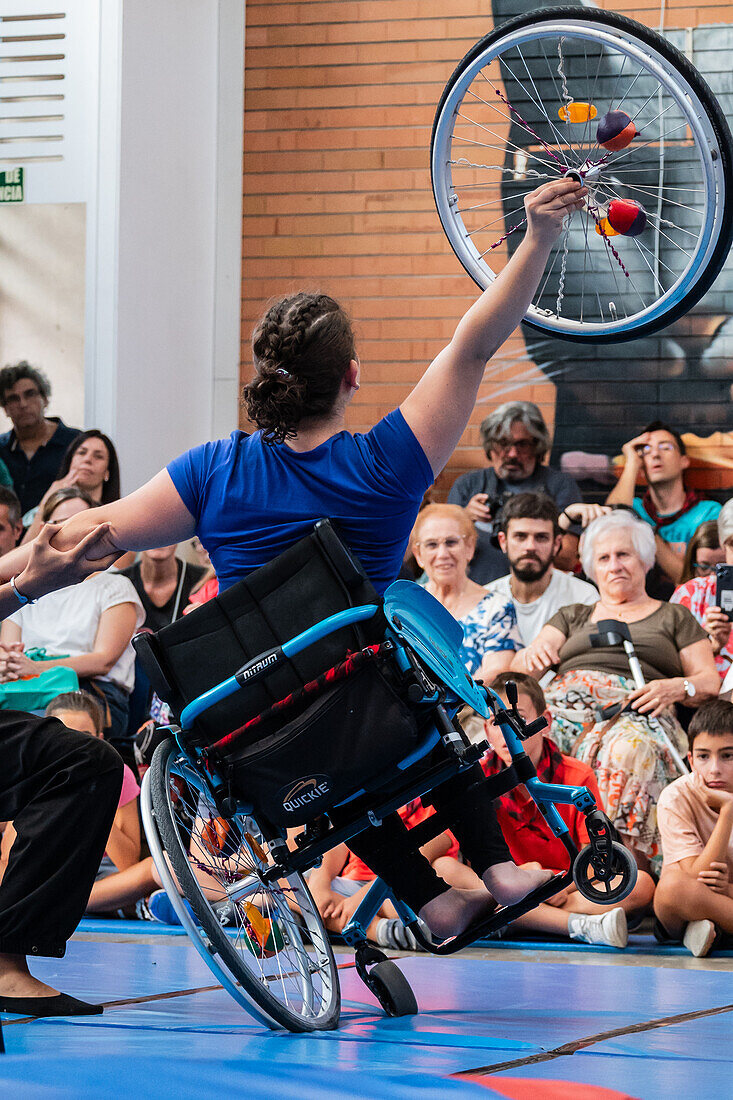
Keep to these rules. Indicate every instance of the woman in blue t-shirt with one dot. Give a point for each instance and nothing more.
(251, 496)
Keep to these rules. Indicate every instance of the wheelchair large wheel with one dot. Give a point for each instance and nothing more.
(524, 106)
(264, 941)
(617, 881)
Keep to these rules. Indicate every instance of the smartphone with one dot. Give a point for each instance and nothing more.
(724, 589)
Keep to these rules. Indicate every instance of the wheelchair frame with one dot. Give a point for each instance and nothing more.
(443, 702)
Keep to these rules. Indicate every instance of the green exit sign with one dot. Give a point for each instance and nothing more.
(11, 185)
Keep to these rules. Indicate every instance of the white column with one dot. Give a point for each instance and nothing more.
(163, 311)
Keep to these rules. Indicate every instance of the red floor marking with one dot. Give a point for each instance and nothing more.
(526, 1088)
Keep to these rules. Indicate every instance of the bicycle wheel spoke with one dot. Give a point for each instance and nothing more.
(538, 101)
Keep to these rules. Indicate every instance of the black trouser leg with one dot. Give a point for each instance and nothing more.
(387, 851)
(60, 788)
(472, 818)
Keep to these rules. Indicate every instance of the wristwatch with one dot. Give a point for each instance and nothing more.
(690, 689)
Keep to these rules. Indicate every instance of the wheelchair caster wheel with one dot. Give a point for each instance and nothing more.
(595, 878)
(392, 989)
(385, 980)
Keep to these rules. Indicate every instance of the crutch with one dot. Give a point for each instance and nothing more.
(611, 632)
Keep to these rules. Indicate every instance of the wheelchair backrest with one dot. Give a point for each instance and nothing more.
(314, 578)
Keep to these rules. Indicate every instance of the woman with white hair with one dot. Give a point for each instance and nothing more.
(629, 756)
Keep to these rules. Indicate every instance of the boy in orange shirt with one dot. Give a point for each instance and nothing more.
(531, 841)
(695, 813)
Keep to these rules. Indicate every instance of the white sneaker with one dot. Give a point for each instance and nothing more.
(607, 928)
(699, 937)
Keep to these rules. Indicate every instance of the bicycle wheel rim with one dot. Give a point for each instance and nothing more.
(706, 133)
(282, 979)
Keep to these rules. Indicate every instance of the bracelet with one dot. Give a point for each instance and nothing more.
(23, 600)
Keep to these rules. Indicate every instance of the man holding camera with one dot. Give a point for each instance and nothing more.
(516, 440)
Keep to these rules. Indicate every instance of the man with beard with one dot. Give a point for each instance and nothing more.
(516, 440)
(530, 536)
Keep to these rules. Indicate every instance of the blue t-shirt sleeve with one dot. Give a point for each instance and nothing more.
(188, 473)
(402, 463)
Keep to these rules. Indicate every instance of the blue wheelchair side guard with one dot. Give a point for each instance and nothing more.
(436, 637)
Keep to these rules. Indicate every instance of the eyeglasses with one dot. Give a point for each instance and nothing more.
(450, 543)
(702, 568)
(14, 399)
(662, 448)
(521, 446)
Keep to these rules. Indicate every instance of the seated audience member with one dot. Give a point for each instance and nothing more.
(164, 584)
(443, 541)
(87, 627)
(629, 757)
(667, 506)
(91, 464)
(532, 842)
(694, 900)
(11, 527)
(340, 883)
(122, 878)
(208, 586)
(703, 552)
(530, 537)
(35, 445)
(698, 593)
(516, 440)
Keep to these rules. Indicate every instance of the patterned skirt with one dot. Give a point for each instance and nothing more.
(629, 758)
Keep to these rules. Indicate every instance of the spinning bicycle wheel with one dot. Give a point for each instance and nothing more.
(532, 101)
(277, 964)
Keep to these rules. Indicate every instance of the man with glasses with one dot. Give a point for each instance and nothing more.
(36, 444)
(674, 512)
(516, 440)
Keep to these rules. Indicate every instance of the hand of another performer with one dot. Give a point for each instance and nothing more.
(49, 569)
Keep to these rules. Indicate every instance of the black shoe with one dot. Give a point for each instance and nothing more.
(59, 1005)
(661, 935)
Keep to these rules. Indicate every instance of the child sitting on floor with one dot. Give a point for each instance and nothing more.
(694, 899)
(123, 878)
(532, 842)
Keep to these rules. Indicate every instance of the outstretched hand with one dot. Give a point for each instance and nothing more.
(49, 568)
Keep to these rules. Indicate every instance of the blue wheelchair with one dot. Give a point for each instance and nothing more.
(349, 718)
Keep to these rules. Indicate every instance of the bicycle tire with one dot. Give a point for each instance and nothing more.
(713, 257)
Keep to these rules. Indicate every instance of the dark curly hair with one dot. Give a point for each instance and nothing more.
(302, 349)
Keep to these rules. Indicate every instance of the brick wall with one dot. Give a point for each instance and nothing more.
(339, 104)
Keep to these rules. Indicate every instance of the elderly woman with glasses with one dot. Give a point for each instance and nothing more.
(698, 592)
(443, 541)
(627, 746)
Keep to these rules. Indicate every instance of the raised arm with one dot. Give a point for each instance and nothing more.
(439, 406)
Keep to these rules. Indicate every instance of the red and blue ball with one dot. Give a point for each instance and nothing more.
(615, 131)
(627, 217)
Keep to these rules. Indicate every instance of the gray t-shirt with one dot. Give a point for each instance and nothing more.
(562, 590)
(488, 562)
(658, 639)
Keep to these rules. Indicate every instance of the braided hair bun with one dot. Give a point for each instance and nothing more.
(302, 349)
